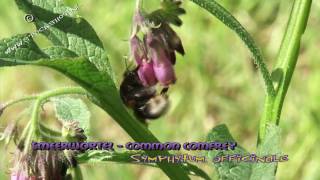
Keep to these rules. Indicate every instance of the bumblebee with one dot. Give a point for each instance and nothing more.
(145, 101)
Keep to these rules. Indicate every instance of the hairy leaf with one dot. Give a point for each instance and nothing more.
(70, 109)
(19, 47)
(57, 52)
(228, 169)
(270, 146)
(71, 2)
(169, 13)
(75, 34)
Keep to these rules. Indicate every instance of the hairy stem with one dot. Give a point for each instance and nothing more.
(289, 51)
(226, 17)
(16, 101)
(35, 118)
(34, 133)
(140, 133)
(62, 91)
(34, 130)
(286, 62)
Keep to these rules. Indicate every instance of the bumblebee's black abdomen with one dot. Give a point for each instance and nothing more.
(132, 91)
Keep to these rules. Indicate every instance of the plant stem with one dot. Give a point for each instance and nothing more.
(140, 133)
(286, 62)
(35, 118)
(57, 92)
(25, 132)
(34, 129)
(267, 114)
(289, 51)
(33, 133)
(13, 102)
(227, 18)
(47, 130)
(43, 97)
(62, 91)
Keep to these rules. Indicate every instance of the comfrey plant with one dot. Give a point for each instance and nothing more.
(79, 54)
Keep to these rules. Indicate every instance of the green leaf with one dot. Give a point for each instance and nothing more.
(71, 2)
(56, 52)
(75, 34)
(270, 146)
(70, 109)
(226, 17)
(246, 170)
(228, 169)
(19, 47)
(169, 13)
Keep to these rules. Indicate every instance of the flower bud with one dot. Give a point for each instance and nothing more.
(72, 132)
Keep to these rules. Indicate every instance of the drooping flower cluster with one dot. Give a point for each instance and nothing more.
(48, 165)
(155, 53)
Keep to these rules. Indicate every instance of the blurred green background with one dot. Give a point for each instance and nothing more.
(217, 82)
